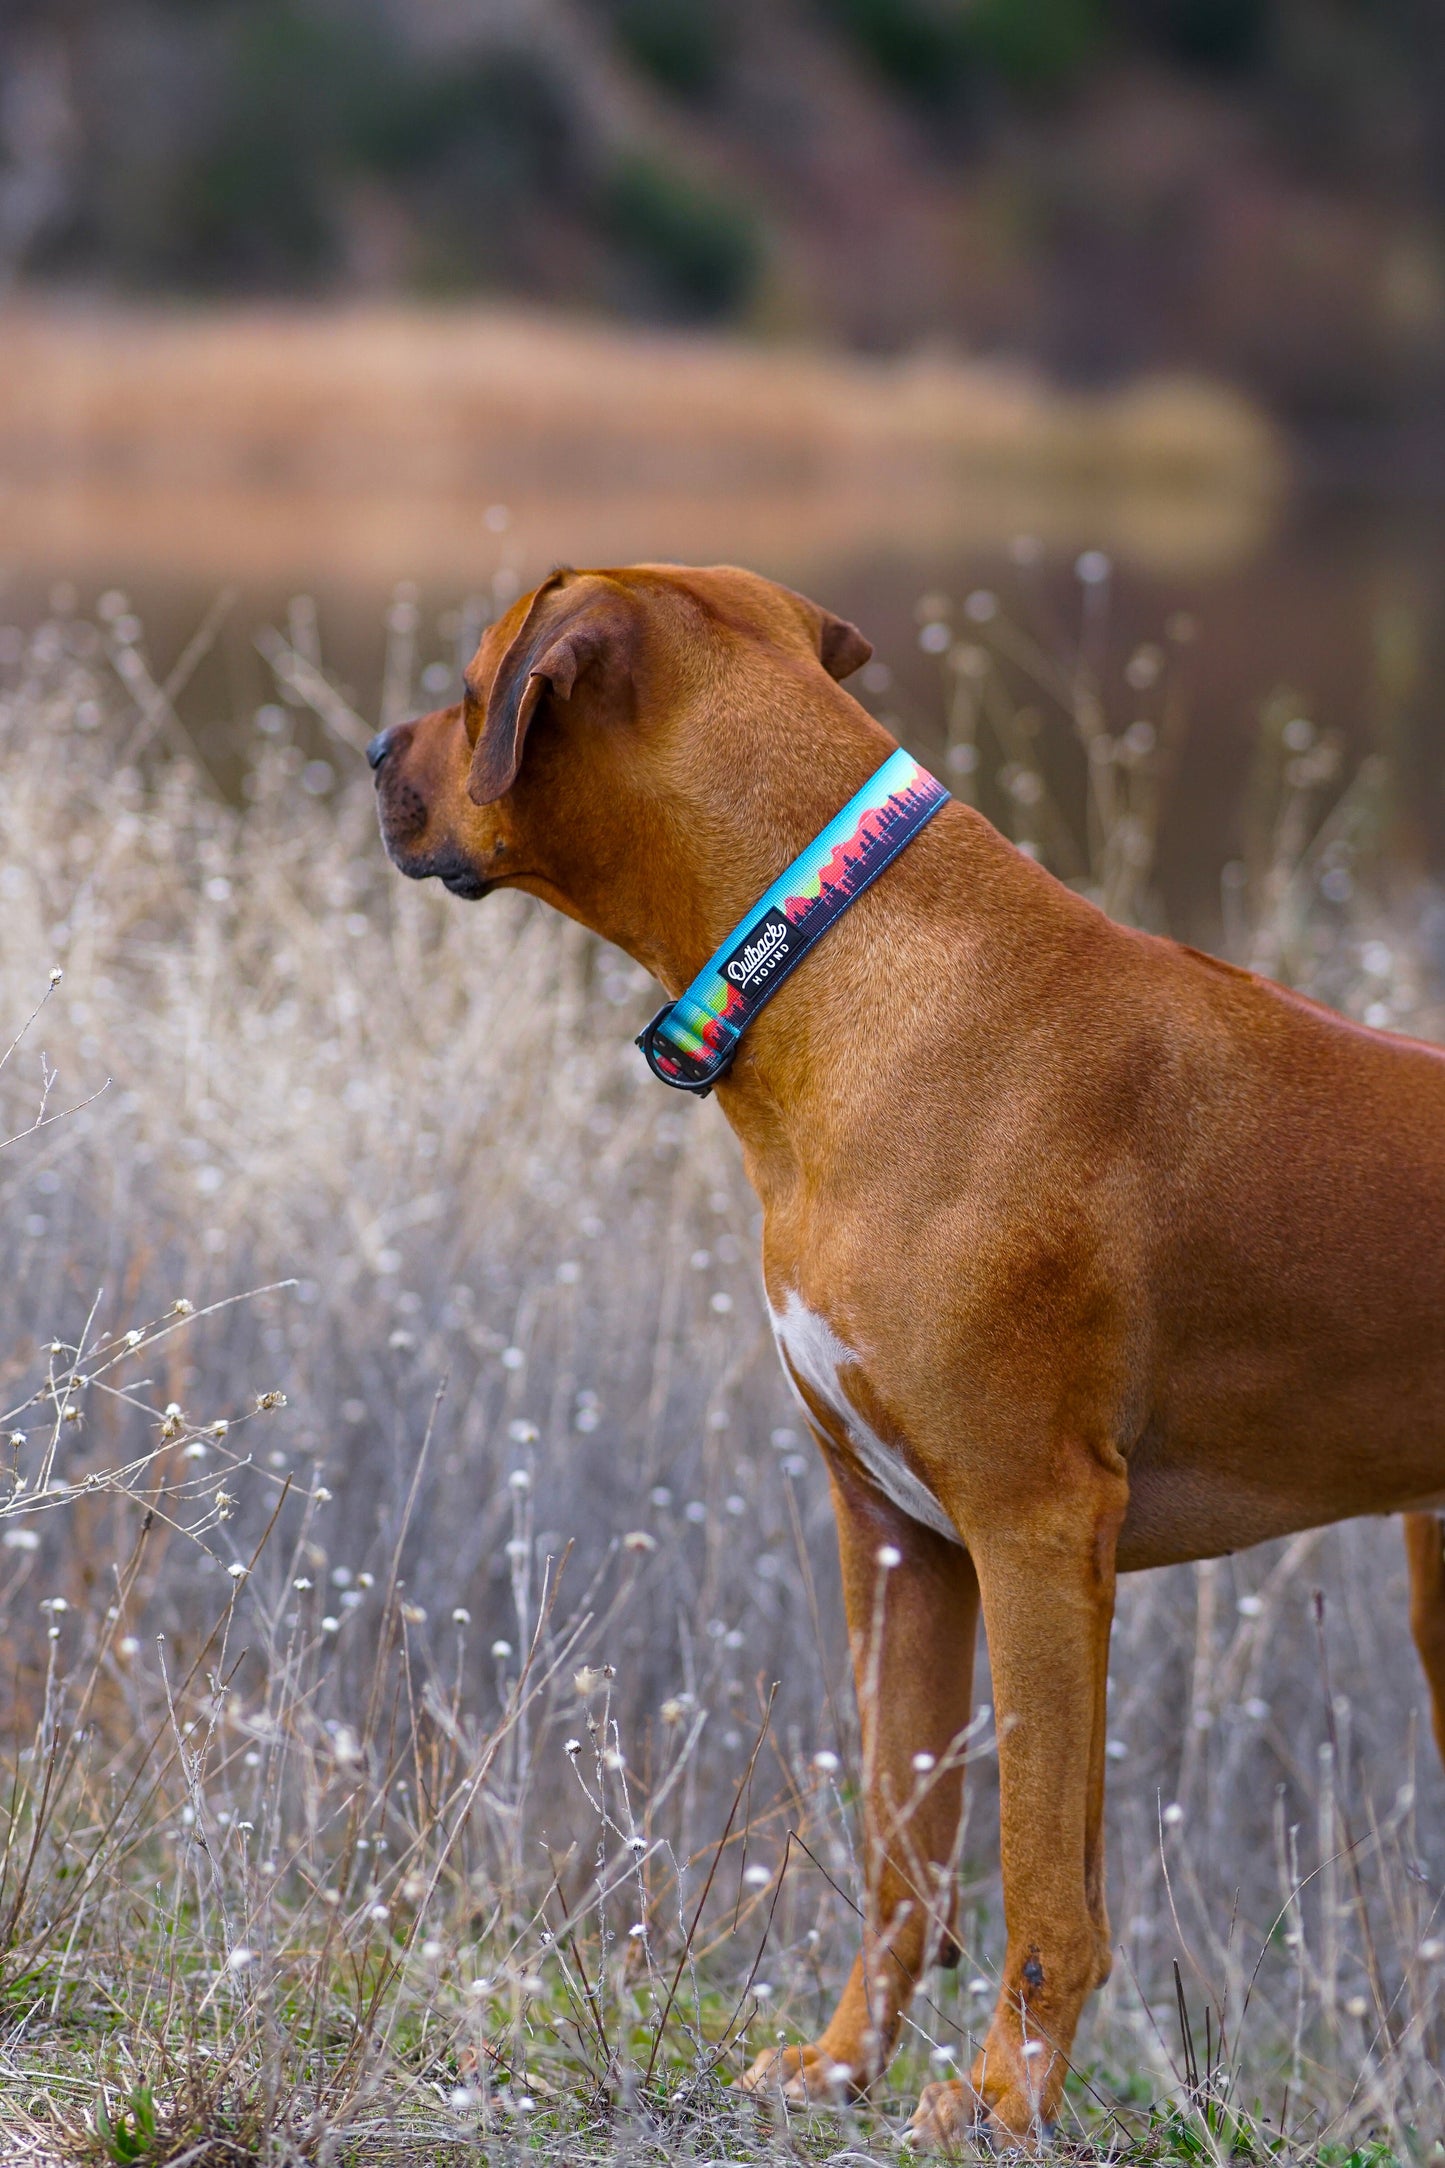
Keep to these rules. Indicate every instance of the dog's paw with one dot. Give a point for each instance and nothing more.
(949, 2115)
(953, 2115)
(802, 2075)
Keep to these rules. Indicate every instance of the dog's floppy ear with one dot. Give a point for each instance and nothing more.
(841, 646)
(568, 633)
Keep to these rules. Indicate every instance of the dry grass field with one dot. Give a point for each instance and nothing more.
(427, 1730)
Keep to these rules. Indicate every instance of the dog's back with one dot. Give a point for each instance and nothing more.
(1297, 1276)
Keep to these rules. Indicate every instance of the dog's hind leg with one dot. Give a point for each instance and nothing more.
(912, 1604)
(1425, 1553)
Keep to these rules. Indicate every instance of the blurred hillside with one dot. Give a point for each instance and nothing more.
(1255, 188)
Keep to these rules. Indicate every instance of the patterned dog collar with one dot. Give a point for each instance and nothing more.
(691, 1042)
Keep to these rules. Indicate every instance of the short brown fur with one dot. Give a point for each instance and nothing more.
(1140, 1256)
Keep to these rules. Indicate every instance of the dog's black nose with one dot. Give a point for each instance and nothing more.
(378, 749)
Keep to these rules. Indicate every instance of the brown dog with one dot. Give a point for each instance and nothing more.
(1084, 1251)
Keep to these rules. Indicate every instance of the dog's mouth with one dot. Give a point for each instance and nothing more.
(464, 883)
(404, 819)
(447, 865)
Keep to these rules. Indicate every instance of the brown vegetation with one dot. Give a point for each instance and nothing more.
(266, 442)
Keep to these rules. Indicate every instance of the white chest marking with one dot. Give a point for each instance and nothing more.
(813, 1355)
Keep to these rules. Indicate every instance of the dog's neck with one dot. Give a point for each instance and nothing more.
(693, 837)
(696, 854)
(725, 865)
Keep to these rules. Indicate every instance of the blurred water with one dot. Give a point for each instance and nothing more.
(1337, 599)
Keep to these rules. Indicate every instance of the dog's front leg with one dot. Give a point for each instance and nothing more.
(1047, 1578)
(912, 1605)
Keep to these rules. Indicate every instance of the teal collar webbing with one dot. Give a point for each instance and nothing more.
(691, 1041)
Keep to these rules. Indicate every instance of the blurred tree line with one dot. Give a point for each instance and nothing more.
(1251, 186)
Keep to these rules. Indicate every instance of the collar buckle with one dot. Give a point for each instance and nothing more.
(677, 1065)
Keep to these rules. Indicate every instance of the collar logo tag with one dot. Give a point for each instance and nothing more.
(761, 953)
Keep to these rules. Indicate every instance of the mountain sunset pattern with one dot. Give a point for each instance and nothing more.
(698, 1035)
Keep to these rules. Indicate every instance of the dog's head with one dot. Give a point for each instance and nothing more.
(605, 712)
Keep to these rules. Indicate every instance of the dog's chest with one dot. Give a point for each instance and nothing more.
(815, 1358)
